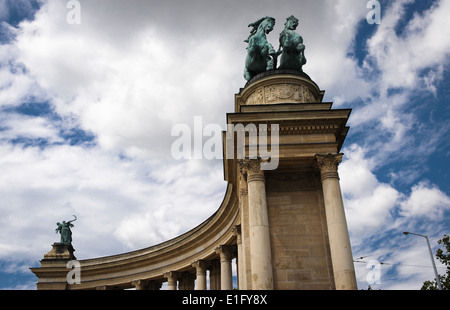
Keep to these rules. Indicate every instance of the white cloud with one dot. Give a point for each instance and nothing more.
(19, 126)
(16, 86)
(426, 200)
(368, 202)
(410, 64)
(374, 207)
(422, 45)
(40, 187)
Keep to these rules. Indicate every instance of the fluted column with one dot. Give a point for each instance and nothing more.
(226, 277)
(200, 267)
(260, 252)
(341, 252)
(172, 278)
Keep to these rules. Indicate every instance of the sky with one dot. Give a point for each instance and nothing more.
(88, 102)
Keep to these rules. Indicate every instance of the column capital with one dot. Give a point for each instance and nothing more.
(236, 231)
(140, 284)
(200, 265)
(328, 165)
(200, 270)
(242, 179)
(251, 169)
(146, 284)
(171, 275)
(226, 251)
(172, 278)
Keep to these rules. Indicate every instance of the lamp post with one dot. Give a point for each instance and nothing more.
(438, 281)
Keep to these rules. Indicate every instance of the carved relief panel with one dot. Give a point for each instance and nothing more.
(281, 93)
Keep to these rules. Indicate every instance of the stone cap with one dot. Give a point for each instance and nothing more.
(276, 72)
(60, 251)
(279, 86)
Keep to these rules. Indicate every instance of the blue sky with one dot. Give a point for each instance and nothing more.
(86, 112)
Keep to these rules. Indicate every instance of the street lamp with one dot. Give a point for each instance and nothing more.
(438, 281)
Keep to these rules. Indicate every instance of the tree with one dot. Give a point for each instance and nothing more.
(444, 257)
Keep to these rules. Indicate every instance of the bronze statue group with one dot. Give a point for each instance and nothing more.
(261, 56)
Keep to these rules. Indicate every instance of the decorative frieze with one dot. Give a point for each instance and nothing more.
(281, 93)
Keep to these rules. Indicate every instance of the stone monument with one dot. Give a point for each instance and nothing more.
(285, 226)
(57, 258)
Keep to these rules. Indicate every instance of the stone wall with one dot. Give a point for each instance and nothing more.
(298, 231)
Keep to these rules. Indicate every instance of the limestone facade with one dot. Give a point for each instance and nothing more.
(286, 227)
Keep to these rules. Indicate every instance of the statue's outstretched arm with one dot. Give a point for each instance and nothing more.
(75, 218)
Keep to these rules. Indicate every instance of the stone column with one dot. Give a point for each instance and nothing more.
(240, 257)
(200, 267)
(341, 252)
(260, 252)
(172, 278)
(214, 274)
(244, 254)
(154, 285)
(226, 276)
(186, 281)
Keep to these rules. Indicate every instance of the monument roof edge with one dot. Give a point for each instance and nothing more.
(277, 72)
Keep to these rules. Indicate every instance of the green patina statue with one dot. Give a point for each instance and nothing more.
(293, 56)
(64, 230)
(260, 53)
(261, 56)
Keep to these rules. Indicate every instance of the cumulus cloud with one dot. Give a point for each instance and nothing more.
(368, 202)
(401, 57)
(426, 200)
(374, 208)
(19, 126)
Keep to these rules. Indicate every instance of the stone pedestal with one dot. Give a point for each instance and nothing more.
(60, 251)
(54, 266)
